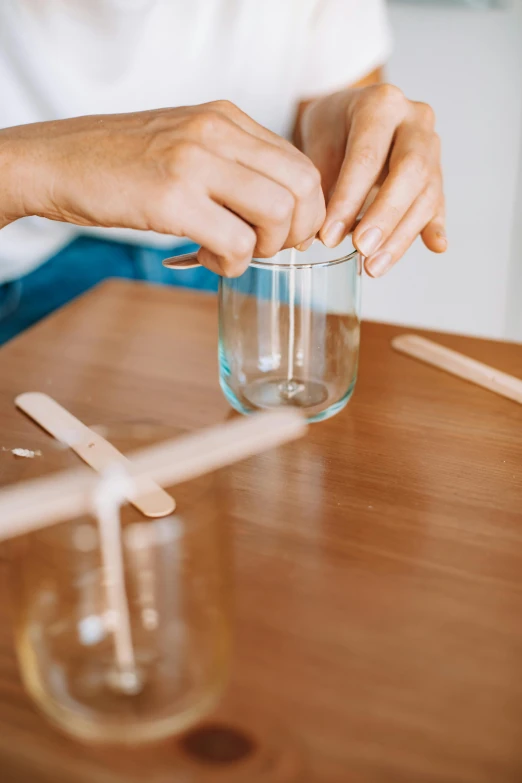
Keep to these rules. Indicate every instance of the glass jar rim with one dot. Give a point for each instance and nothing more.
(269, 263)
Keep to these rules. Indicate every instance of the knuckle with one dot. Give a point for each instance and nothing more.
(433, 197)
(367, 158)
(185, 154)
(389, 94)
(394, 214)
(242, 246)
(425, 113)
(204, 124)
(416, 164)
(223, 106)
(266, 248)
(282, 207)
(309, 182)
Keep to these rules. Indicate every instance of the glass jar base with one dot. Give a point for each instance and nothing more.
(277, 392)
(250, 404)
(124, 732)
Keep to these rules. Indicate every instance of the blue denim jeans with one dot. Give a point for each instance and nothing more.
(81, 265)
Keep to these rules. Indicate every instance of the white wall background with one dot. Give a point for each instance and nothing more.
(514, 308)
(468, 65)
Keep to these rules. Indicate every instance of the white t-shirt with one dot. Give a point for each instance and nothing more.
(65, 58)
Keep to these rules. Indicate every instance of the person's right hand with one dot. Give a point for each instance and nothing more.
(209, 173)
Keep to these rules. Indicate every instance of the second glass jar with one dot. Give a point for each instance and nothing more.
(177, 586)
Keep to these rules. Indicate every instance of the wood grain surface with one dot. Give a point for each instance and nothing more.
(378, 561)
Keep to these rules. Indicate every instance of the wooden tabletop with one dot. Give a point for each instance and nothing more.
(379, 560)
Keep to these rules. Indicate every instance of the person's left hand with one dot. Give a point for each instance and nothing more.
(374, 136)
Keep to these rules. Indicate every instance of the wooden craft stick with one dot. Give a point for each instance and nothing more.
(148, 498)
(186, 261)
(35, 504)
(460, 365)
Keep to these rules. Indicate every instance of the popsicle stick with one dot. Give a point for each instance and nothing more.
(186, 261)
(460, 365)
(35, 504)
(148, 498)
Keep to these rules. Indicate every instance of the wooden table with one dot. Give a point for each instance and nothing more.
(379, 561)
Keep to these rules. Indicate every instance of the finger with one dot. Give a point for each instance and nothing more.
(297, 175)
(413, 223)
(434, 235)
(227, 242)
(291, 169)
(326, 150)
(370, 138)
(262, 203)
(413, 162)
(305, 245)
(213, 262)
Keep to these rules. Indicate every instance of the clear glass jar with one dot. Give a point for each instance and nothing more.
(176, 573)
(289, 332)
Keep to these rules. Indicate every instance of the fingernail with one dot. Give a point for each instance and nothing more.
(334, 234)
(370, 241)
(379, 264)
(305, 245)
(441, 235)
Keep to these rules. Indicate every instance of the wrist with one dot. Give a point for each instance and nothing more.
(11, 198)
(20, 162)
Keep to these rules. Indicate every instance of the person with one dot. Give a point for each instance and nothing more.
(280, 132)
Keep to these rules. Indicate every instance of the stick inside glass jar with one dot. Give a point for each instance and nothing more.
(291, 319)
(292, 386)
(111, 493)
